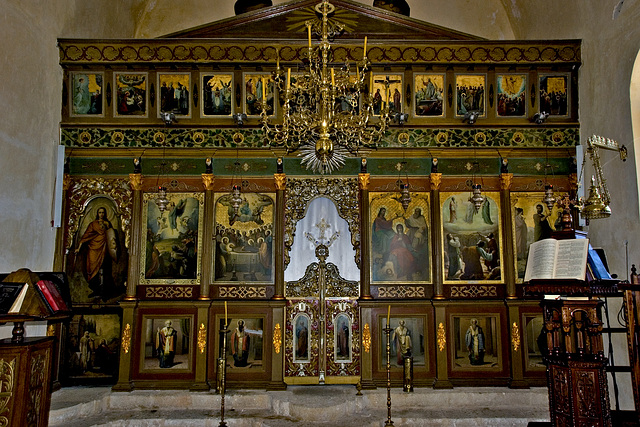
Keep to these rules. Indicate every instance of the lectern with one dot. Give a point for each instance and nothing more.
(574, 352)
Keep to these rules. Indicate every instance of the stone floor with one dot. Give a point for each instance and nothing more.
(299, 406)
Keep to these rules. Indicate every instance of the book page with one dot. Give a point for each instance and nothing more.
(571, 261)
(541, 260)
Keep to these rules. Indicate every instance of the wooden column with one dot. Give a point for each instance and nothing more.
(209, 236)
(442, 346)
(517, 345)
(281, 183)
(202, 352)
(126, 346)
(508, 250)
(435, 179)
(365, 231)
(135, 181)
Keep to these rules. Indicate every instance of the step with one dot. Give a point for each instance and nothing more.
(299, 405)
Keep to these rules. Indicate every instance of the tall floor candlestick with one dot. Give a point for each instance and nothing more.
(387, 332)
(222, 370)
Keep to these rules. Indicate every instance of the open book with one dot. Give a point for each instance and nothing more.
(557, 259)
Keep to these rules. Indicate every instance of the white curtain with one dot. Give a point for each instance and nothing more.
(341, 252)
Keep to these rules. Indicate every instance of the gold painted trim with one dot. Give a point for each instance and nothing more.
(202, 338)
(515, 336)
(366, 338)
(352, 379)
(126, 338)
(51, 330)
(442, 337)
(277, 338)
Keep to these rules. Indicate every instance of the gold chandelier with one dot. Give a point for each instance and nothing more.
(327, 112)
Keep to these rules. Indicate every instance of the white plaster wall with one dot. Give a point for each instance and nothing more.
(486, 18)
(609, 50)
(30, 97)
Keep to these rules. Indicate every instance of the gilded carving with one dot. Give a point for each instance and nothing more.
(7, 379)
(126, 338)
(366, 338)
(202, 338)
(307, 286)
(242, 292)
(336, 286)
(505, 181)
(515, 336)
(363, 181)
(401, 292)
(51, 330)
(192, 51)
(343, 192)
(310, 367)
(101, 137)
(207, 180)
(38, 375)
(474, 291)
(435, 179)
(169, 292)
(136, 181)
(342, 364)
(277, 338)
(281, 180)
(66, 181)
(83, 190)
(441, 337)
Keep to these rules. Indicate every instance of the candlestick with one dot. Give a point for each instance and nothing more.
(333, 78)
(309, 34)
(225, 314)
(264, 90)
(278, 59)
(388, 314)
(365, 46)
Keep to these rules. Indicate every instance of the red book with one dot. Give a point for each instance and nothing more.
(52, 295)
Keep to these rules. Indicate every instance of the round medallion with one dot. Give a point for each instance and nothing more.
(480, 138)
(403, 138)
(117, 137)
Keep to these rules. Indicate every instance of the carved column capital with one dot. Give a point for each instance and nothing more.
(363, 181)
(435, 179)
(135, 180)
(281, 180)
(505, 181)
(573, 181)
(207, 180)
(66, 182)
